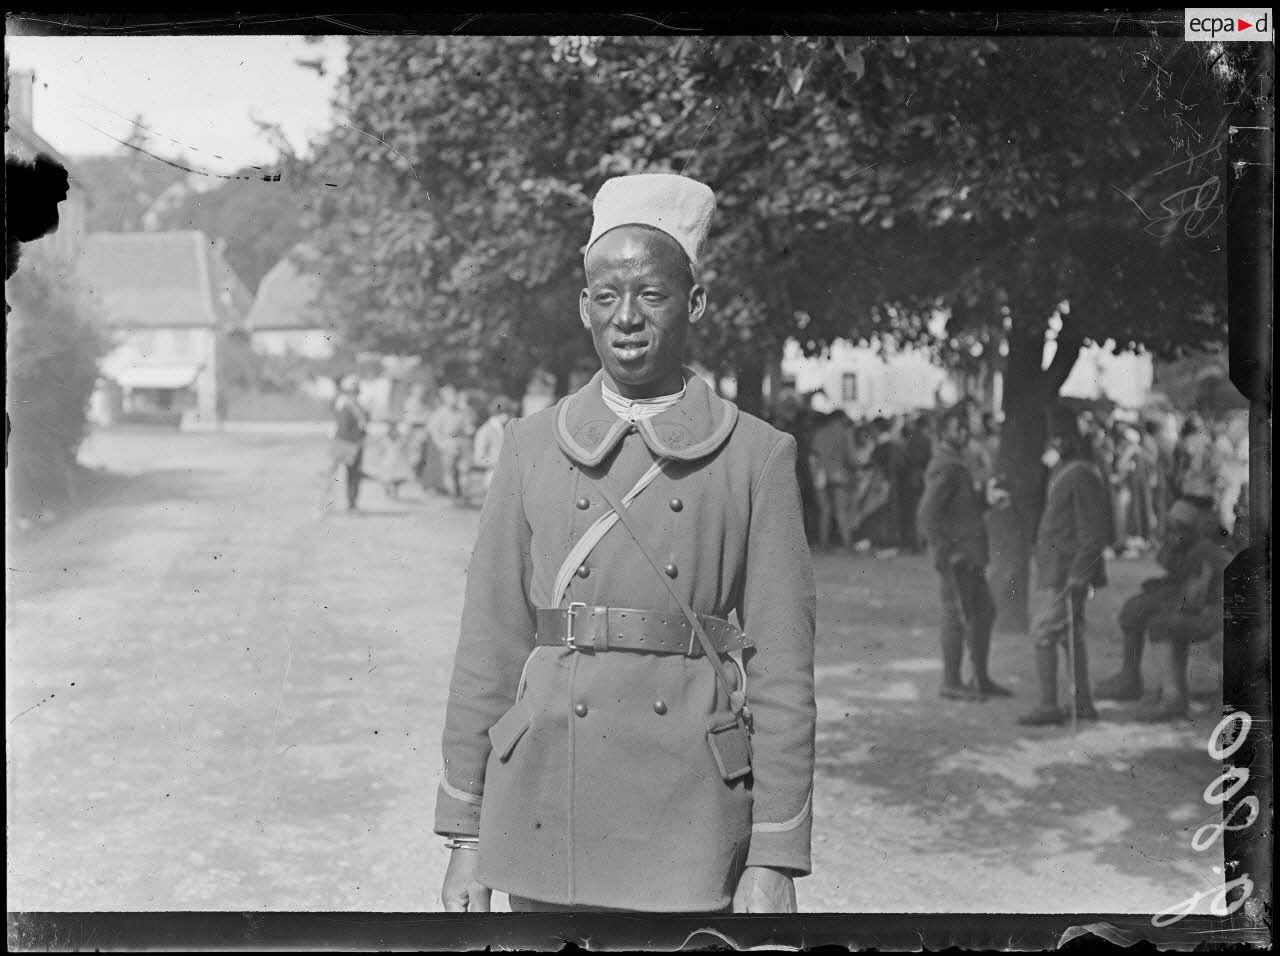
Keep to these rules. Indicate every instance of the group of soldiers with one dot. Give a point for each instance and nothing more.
(1074, 535)
(631, 718)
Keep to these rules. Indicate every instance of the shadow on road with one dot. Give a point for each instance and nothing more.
(965, 777)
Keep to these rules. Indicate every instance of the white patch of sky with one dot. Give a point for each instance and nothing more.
(203, 92)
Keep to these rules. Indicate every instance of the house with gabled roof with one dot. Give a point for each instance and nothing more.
(286, 318)
(170, 299)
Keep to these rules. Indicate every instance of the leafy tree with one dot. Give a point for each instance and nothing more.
(54, 344)
(1042, 193)
(123, 185)
(259, 219)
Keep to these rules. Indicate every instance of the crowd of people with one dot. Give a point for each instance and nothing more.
(926, 481)
(447, 444)
(861, 481)
(1113, 489)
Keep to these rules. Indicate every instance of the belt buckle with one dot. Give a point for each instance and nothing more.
(568, 630)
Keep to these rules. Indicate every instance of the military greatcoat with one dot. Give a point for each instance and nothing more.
(588, 775)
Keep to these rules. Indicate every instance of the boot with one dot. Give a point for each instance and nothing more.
(1048, 711)
(953, 688)
(1173, 702)
(979, 650)
(1084, 698)
(1127, 683)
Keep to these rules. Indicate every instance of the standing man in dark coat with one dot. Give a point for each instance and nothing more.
(887, 459)
(350, 423)
(915, 461)
(1075, 528)
(599, 752)
(950, 519)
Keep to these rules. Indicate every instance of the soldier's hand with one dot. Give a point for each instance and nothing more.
(764, 890)
(462, 892)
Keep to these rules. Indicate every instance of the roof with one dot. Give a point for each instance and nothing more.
(287, 299)
(163, 280)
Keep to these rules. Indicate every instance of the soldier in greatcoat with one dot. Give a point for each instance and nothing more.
(596, 757)
(1074, 531)
(951, 518)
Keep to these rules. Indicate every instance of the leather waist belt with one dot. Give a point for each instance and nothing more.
(625, 628)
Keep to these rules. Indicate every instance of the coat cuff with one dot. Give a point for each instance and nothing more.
(457, 812)
(784, 846)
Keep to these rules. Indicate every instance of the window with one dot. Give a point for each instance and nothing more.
(849, 387)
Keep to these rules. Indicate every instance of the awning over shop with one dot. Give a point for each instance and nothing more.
(153, 376)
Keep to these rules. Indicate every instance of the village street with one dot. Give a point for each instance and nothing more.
(219, 700)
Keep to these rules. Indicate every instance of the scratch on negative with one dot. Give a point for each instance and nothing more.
(284, 680)
(27, 711)
(1132, 200)
(393, 149)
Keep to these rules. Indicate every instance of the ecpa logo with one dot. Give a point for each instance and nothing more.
(1227, 23)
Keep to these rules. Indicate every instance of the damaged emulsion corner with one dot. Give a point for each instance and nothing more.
(32, 193)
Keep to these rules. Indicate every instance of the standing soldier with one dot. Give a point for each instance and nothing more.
(347, 448)
(596, 755)
(1075, 528)
(950, 519)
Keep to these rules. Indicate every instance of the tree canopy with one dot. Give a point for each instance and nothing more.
(1037, 193)
(862, 184)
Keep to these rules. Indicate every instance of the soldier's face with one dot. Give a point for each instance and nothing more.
(639, 301)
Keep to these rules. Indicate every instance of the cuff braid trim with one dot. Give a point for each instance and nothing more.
(786, 825)
(472, 798)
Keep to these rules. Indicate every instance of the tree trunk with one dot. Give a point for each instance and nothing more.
(1028, 390)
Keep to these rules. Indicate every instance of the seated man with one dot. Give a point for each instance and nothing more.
(1180, 609)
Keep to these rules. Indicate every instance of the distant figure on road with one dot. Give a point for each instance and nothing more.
(887, 458)
(395, 466)
(447, 427)
(832, 464)
(351, 422)
(488, 444)
(915, 461)
(1196, 465)
(1075, 529)
(950, 519)
(599, 752)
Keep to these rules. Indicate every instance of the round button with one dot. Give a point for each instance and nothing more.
(580, 710)
(659, 707)
(583, 571)
(671, 570)
(583, 504)
(677, 504)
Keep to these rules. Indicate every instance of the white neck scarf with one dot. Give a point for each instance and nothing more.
(634, 409)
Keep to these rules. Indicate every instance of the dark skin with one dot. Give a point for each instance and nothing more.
(639, 302)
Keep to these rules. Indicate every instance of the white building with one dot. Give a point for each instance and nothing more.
(867, 383)
(285, 318)
(170, 299)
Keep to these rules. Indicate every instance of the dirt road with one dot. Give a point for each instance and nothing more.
(219, 700)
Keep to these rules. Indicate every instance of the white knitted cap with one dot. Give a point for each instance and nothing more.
(677, 205)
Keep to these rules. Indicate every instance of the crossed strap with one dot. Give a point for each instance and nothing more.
(737, 698)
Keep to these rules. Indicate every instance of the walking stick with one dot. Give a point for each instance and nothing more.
(1071, 655)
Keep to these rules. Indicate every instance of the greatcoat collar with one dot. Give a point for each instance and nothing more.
(697, 425)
